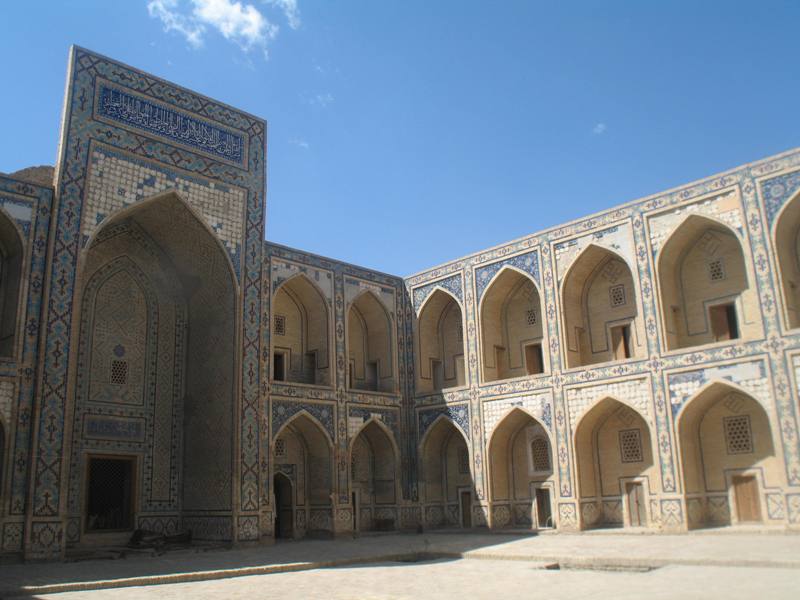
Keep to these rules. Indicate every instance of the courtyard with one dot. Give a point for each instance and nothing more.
(600, 564)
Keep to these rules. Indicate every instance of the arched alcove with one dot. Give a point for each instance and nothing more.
(446, 493)
(11, 254)
(521, 473)
(615, 466)
(440, 335)
(303, 452)
(373, 471)
(601, 317)
(728, 456)
(787, 250)
(512, 329)
(300, 333)
(705, 295)
(369, 345)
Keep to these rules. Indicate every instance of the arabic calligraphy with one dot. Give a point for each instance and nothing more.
(132, 110)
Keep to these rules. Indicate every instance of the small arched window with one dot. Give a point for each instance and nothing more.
(540, 454)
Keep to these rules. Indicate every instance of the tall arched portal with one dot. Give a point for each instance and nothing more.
(602, 321)
(728, 457)
(369, 346)
(512, 333)
(440, 334)
(303, 452)
(616, 470)
(11, 254)
(447, 488)
(373, 469)
(787, 249)
(521, 473)
(155, 395)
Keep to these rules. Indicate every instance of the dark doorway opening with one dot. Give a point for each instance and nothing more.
(110, 497)
(466, 510)
(724, 324)
(284, 513)
(544, 511)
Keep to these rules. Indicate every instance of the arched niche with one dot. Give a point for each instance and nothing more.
(304, 453)
(727, 455)
(512, 328)
(703, 281)
(446, 493)
(373, 473)
(787, 250)
(601, 316)
(156, 345)
(300, 333)
(521, 472)
(369, 346)
(615, 466)
(11, 255)
(440, 334)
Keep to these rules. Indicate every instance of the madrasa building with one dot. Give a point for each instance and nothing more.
(162, 367)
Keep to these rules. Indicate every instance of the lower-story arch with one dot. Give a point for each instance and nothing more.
(447, 492)
(615, 466)
(728, 457)
(374, 477)
(303, 454)
(521, 475)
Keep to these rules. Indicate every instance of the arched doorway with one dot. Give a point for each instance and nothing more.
(11, 254)
(615, 466)
(303, 453)
(154, 409)
(512, 331)
(602, 321)
(447, 494)
(300, 336)
(440, 334)
(728, 457)
(787, 250)
(373, 469)
(521, 473)
(369, 346)
(284, 507)
(704, 287)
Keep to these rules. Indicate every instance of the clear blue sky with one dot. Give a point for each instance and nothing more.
(406, 134)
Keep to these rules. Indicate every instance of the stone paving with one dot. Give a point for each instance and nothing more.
(757, 553)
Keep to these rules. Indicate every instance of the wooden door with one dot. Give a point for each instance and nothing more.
(636, 510)
(745, 493)
(534, 361)
(466, 510)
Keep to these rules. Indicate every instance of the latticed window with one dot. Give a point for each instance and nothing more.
(738, 436)
(617, 295)
(530, 316)
(540, 454)
(630, 445)
(460, 332)
(119, 372)
(463, 462)
(716, 270)
(280, 448)
(280, 325)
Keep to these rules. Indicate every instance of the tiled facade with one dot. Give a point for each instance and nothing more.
(143, 162)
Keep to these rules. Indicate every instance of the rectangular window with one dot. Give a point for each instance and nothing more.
(119, 372)
(738, 435)
(617, 295)
(534, 360)
(620, 342)
(530, 316)
(724, 325)
(280, 448)
(279, 366)
(463, 461)
(716, 270)
(280, 325)
(630, 446)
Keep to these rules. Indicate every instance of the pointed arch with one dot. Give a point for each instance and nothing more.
(301, 332)
(703, 281)
(12, 256)
(513, 334)
(300, 415)
(370, 344)
(441, 343)
(436, 422)
(601, 317)
(728, 455)
(786, 237)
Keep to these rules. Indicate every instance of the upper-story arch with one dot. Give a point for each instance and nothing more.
(440, 340)
(600, 309)
(704, 285)
(11, 254)
(787, 251)
(369, 345)
(512, 327)
(300, 333)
